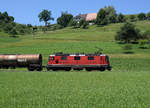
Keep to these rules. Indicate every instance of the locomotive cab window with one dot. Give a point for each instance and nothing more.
(90, 58)
(53, 58)
(64, 58)
(76, 58)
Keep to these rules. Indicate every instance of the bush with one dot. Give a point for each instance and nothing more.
(8, 27)
(55, 27)
(127, 48)
(81, 22)
(143, 44)
(85, 25)
(132, 18)
(142, 16)
(13, 33)
(121, 18)
(73, 23)
(146, 35)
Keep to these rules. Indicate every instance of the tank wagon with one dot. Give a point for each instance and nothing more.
(31, 61)
(67, 62)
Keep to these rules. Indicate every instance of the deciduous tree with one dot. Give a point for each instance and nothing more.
(127, 33)
(45, 16)
(142, 16)
(64, 19)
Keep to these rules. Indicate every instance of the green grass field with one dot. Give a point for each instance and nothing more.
(126, 86)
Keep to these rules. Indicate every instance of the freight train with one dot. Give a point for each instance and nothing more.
(58, 61)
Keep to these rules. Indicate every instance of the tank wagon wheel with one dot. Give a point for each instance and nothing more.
(5, 67)
(30, 69)
(39, 69)
(13, 67)
(48, 69)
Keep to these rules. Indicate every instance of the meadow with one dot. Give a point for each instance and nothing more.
(126, 86)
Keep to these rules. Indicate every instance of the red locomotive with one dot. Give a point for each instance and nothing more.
(67, 62)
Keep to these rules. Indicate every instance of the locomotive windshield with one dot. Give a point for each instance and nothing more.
(107, 59)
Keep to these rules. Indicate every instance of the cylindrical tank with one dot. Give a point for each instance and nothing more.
(18, 60)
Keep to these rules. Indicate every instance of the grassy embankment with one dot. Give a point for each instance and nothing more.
(127, 85)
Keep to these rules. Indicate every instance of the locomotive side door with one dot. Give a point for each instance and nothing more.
(101, 60)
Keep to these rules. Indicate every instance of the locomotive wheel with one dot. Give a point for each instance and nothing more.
(54, 69)
(80, 69)
(67, 69)
(109, 69)
(102, 69)
(88, 69)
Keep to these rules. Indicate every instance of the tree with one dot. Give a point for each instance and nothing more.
(29, 25)
(106, 15)
(13, 32)
(81, 22)
(73, 23)
(127, 33)
(132, 18)
(8, 27)
(101, 17)
(121, 18)
(146, 35)
(142, 44)
(45, 16)
(142, 16)
(64, 19)
(110, 14)
(148, 16)
(85, 25)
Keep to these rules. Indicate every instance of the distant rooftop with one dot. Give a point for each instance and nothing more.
(87, 17)
(91, 16)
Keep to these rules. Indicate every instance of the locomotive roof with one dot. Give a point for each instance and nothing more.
(77, 54)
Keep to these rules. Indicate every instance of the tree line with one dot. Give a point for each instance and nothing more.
(106, 15)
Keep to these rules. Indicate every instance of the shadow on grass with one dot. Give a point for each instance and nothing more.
(128, 52)
(14, 36)
(126, 43)
(143, 47)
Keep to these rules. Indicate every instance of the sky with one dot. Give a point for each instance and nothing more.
(26, 11)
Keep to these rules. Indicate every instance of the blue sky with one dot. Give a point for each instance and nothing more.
(26, 11)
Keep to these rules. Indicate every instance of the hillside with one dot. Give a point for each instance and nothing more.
(78, 41)
(127, 85)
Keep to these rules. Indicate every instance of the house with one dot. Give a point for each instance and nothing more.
(91, 17)
(88, 17)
